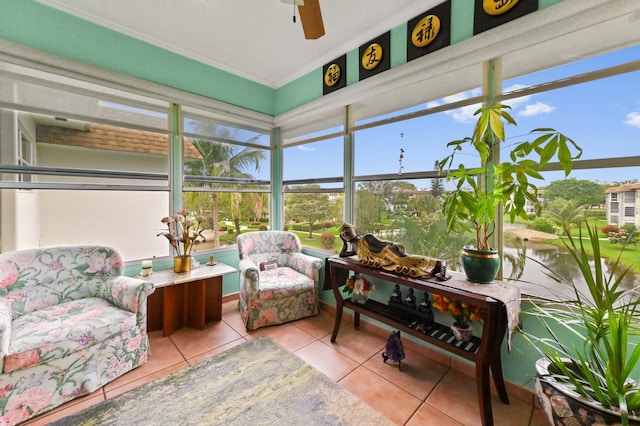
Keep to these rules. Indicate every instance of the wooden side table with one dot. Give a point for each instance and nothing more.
(188, 299)
(483, 350)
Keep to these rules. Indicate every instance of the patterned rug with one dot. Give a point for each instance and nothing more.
(255, 383)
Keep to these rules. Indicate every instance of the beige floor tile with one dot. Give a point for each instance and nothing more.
(388, 399)
(191, 342)
(418, 375)
(429, 416)
(359, 345)
(288, 335)
(318, 326)
(460, 390)
(196, 359)
(327, 360)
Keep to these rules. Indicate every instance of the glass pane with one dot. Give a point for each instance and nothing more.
(225, 160)
(332, 130)
(314, 160)
(72, 99)
(127, 220)
(95, 146)
(210, 129)
(399, 211)
(232, 212)
(575, 110)
(413, 145)
(575, 68)
(314, 217)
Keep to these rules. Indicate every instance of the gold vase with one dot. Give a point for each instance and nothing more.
(182, 264)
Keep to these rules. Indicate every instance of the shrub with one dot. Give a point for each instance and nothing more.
(327, 240)
(609, 228)
(263, 227)
(328, 224)
(543, 225)
(624, 236)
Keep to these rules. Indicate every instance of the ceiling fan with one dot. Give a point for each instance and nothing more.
(310, 16)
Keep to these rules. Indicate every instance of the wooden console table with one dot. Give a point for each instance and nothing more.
(188, 299)
(484, 351)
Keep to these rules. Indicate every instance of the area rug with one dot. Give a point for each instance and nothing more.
(255, 383)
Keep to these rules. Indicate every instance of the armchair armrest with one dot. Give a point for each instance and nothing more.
(5, 331)
(249, 272)
(306, 264)
(127, 292)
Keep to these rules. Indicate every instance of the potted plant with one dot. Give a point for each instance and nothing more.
(590, 345)
(462, 313)
(182, 231)
(479, 191)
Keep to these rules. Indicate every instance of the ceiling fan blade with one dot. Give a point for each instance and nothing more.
(311, 18)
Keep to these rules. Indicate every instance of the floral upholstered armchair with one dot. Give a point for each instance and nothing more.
(70, 322)
(278, 283)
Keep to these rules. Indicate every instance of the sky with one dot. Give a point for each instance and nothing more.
(602, 117)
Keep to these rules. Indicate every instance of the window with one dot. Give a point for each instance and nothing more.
(226, 178)
(629, 211)
(313, 169)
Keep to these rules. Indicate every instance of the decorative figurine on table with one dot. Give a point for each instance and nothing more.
(425, 303)
(396, 296)
(389, 256)
(410, 300)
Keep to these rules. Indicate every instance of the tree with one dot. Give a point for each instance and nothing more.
(425, 205)
(369, 206)
(223, 160)
(437, 187)
(582, 192)
(563, 213)
(310, 206)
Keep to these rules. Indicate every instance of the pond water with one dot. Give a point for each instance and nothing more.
(536, 282)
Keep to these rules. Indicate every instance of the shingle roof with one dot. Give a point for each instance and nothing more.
(623, 188)
(111, 138)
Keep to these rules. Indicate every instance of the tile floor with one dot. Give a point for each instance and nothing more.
(431, 389)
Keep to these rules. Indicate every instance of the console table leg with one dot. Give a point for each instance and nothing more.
(337, 321)
(483, 387)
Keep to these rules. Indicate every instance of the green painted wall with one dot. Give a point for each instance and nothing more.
(35, 25)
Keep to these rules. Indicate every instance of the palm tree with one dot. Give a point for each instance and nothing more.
(222, 160)
(564, 213)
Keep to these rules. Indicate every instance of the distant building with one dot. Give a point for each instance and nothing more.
(621, 204)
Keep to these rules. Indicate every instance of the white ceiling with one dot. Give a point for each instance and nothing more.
(255, 39)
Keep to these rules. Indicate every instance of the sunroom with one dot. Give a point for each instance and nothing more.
(115, 115)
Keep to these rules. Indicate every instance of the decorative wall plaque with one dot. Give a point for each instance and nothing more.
(334, 75)
(492, 13)
(375, 56)
(429, 31)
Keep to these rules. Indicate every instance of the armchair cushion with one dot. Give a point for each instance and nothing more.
(60, 330)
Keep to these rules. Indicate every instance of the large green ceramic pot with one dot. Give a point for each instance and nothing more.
(481, 266)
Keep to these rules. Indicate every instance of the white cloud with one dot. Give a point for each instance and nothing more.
(535, 109)
(305, 148)
(633, 119)
(464, 114)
